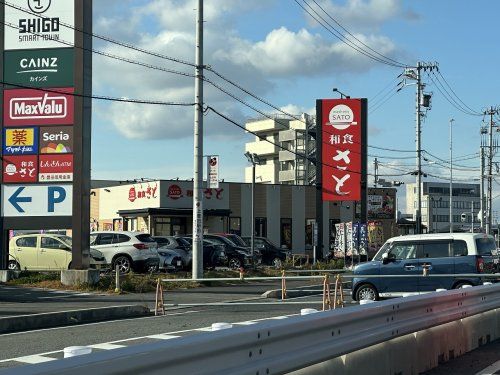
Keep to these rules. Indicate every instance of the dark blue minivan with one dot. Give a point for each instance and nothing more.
(411, 256)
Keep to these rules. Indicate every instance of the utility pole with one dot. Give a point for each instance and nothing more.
(481, 187)
(415, 73)
(451, 175)
(197, 263)
(375, 163)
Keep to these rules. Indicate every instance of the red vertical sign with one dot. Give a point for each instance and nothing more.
(341, 153)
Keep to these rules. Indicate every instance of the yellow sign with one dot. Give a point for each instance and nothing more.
(19, 137)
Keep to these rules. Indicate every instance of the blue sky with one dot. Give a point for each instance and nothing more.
(272, 48)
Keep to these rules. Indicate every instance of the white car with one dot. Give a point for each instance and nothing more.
(128, 250)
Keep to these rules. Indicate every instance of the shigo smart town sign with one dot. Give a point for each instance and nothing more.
(46, 126)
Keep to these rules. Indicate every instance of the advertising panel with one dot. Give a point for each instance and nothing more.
(380, 207)
(38, 107)
(40, 67)
(20, 141)
(55, 168)
(20, 169)
(36, 200)
(179, 194)
(56, 140)
(213, 172)
(38, 24)
(341, 149)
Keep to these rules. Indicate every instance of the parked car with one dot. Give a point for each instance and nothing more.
(237, 240)
(177, 244)
(238, 256)
(42, 252)
(128, 250)
(170, 260)
(272, 255)
(453, 253)
(214, 254)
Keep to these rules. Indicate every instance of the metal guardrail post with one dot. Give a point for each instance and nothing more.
(283, 285)
(117, 279)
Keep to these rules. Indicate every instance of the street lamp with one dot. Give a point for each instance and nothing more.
(342, 95)
(254, 160)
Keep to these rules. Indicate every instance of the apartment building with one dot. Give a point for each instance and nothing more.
(436, 205)
(287, 163)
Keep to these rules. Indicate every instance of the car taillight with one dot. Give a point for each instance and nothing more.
(140, 246)
(480, 264)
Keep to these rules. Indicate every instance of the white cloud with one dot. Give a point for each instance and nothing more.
(168, 28)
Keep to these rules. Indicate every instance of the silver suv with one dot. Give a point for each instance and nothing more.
(128, 250)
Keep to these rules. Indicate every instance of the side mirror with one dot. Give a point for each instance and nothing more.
(385, 258)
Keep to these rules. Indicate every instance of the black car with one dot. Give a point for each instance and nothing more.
(272, 255)
(238, 256)
(214, 255)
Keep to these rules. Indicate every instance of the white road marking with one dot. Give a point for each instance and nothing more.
(162, 336)
(490, 370)
(106, 346)
(34, 359)
(250, 322)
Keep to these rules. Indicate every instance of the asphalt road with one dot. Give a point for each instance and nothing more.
(208, 307)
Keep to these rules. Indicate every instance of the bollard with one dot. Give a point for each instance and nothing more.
(283, 285)
(242, 273)
(74, 351)
(117, 280)
(220, 326)
(159, 304)
(327, 300)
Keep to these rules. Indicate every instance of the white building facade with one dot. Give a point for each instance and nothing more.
(436, 205)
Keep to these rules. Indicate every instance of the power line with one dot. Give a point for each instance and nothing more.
(454, 93)
(332, 30)
(101, 97)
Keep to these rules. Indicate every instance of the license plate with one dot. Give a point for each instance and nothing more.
(179, 263)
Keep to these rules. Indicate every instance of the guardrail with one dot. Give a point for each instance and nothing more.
(278, 347)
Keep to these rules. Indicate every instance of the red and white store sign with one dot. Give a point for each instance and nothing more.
(341, 153)
(38, 107)
(20, 168)
(55, 168)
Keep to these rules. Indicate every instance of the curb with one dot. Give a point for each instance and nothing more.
(68, 318)
(276, 293)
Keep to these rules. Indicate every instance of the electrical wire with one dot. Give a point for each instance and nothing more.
(100, 97)
(454, 93)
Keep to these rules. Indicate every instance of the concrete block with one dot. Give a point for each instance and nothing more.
(403, 355)
(362, 361)
(78, 277)
(332, 366)
(7, 275)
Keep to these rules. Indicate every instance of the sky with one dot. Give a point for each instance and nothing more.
(274, 49)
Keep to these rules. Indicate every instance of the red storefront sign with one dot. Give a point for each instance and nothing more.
(55, 168)
(20, 168)
(38, 107)
(341, 149)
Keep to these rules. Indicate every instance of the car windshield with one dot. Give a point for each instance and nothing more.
(485, 246)
(145, 238)
(384, 249)
(67, 240)
(237, 240)
(183, 241)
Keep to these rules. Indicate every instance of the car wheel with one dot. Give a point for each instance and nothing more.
(461, 284)
(277, 263)
(14, 266)
(123, 262)
(234, 263)
(366, 291)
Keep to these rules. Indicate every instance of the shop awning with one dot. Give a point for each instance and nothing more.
(171, 212)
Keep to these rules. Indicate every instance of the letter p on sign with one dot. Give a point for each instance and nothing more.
(55, 194)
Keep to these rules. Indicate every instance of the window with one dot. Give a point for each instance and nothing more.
(485, 245)
(105, 239)
(119, 238)
(261, 226)
(235, 225)
(145, 238)
(403, 250)
(51, 243)
(435, 249)
(93, 238)
(286, 233)
(26, 242)
(309, 231)
(459, 248)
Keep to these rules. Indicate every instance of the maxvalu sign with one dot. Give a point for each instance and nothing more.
(40, 68)
(31, 24)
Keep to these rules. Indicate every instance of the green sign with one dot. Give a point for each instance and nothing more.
(40, 68)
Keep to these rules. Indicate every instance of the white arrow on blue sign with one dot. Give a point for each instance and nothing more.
(37, 200)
